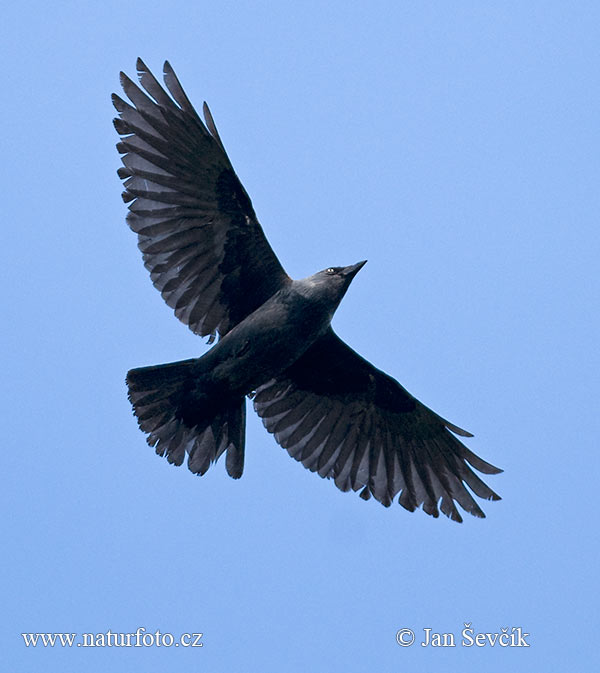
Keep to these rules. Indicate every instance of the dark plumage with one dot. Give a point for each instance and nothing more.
(207, 254)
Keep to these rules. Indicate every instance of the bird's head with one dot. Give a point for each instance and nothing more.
(329, 286)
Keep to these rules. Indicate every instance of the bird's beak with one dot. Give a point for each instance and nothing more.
(351, 271)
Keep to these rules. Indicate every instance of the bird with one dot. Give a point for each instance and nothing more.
(271, 336)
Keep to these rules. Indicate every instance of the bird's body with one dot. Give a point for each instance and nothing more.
(207, 254)
(269, 340)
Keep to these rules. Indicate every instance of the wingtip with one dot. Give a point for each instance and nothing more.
(117, 101)
(126, 82)
(455, 428)
(459, 431)
(208, 118)
(121, 126)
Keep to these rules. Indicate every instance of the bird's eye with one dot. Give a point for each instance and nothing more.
(330, 270)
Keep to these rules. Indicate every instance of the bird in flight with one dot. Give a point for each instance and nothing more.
(208, 256)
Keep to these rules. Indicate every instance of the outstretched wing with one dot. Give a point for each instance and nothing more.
(343, 418)
(197, 230)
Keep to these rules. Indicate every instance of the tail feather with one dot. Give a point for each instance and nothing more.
(234, 461)
(180, 420)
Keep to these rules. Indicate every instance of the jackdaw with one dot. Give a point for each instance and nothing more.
(208, 256)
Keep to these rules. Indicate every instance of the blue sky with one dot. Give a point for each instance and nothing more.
(454, 146)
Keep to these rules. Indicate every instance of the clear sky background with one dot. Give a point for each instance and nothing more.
(452, 144)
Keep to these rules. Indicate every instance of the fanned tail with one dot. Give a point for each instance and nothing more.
(180, 419)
